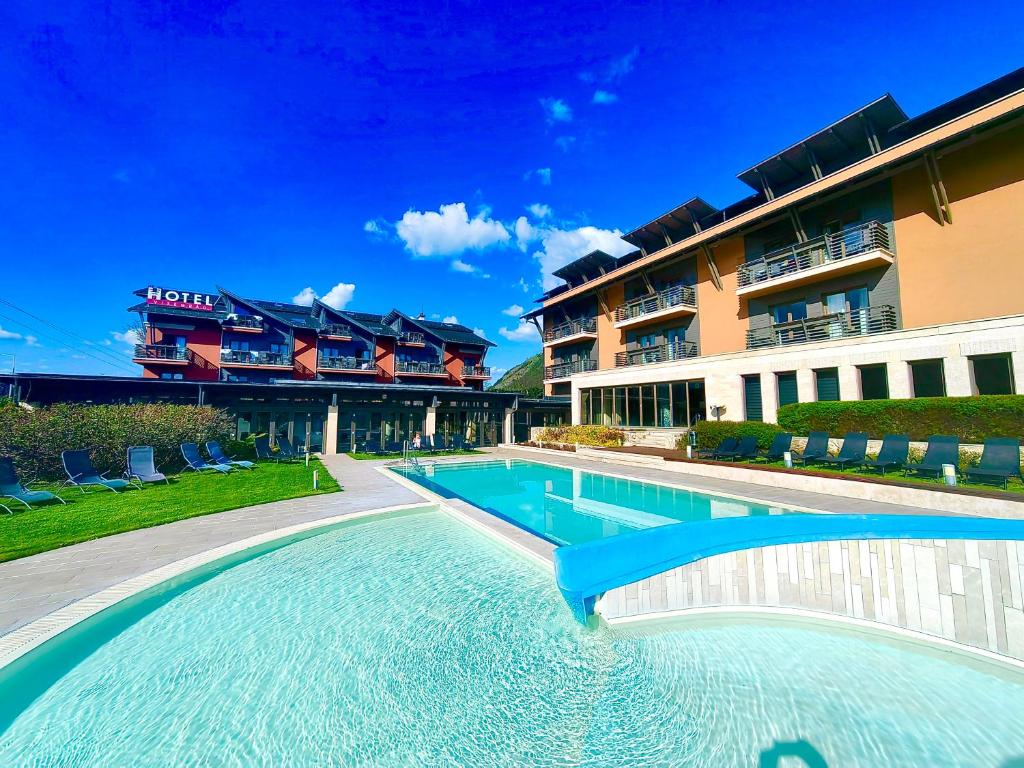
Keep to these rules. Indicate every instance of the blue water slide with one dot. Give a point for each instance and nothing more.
(586, 571)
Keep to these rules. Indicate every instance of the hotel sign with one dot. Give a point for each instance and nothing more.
(165, 297)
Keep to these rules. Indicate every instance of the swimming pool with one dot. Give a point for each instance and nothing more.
(415, 640)
(570, 506)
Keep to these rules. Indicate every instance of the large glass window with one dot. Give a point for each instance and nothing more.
(619, 417)
(793, 310)
(606, 407)
(680, 416)
(647, 405)
(698, 403)
(928, 379)
(585, 407)
(993, 375)
(874, 382)
(633, 406)
(663, 405)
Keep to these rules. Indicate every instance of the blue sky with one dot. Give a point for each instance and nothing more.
(434, 156)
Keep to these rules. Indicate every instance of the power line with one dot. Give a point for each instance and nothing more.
(62, 345)
(113, 358)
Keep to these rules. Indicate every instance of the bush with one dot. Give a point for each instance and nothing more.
(972, 419)
(711, 433)
(587, 434)
(36, 438)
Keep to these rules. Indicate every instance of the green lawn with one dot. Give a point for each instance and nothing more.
(413, 454)
(102, 513)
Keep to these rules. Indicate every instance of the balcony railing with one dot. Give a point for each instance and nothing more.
(571, 328)
(561, 370)
(674, 350)
(243, 321)
(248, 357)
(342, 363)
(335, 329)
(676, 296)
(167, 352)
(411, 337)
(476, 371)
(827, 249)
(841, 325)
(416, 367)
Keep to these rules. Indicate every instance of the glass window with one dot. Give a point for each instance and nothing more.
(784, 313)
(874, 382)
(585, 407)
(239, 346)
(619, 417)
(927, 378)
(647, 340)
(664, 405)
(697, 401)
(647, 405)
(993, 375)
(680, 415)
(172, 376)
(633, 406)
(606, 406)
(243, 427)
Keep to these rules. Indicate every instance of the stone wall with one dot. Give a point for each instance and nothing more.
(966, 591)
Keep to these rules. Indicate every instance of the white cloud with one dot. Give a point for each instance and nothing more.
(525, 233)
(524, 332)
(562, 246)
(542, 174)
(622, 66)
(524, 285)
(458, 265)
(340, 295)
(604, 97)
(565, 142)
(125, 337)
(305, 297)
(9, 335)
(449, 231)
(450, 319)
(480, 332)
(32, 341)
(512, 311)
(372, 226)
(539, 210)
(556, 110)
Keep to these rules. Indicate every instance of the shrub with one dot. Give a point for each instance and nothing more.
(36, 438)
(587, 434)
(972, 419)
(711, 433)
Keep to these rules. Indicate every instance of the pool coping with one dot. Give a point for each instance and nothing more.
(26, 638)
(806, 616)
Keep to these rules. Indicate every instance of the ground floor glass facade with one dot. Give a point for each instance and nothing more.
(660, 405)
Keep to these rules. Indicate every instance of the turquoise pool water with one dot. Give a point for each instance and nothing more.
(415, 640)
(569, 506)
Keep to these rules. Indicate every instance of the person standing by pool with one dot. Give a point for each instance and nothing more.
(416, 441)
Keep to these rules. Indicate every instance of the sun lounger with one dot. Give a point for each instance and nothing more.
(11, 487)
(1000, 460)
(217, 456)
(942, 449)
(746, 449)
(195, 462)
(853, 452)
(264, 452)
(781, 443)
(892, 455)
(815, 450)
(82, 474)
(725, 448)
(142, 467)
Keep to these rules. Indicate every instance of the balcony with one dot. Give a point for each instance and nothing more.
(412, 339)
(568, 332)
(564, 370)
(161, 353)
(336, 331)
(841, 325)
(341, 364)
(244, 324)
(663, 353)
(417, 368)
(247, 358)
(672, 302)
(864, 246)
(476, 372)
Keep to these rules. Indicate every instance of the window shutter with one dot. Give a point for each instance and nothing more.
(787, 389)
(752, 398)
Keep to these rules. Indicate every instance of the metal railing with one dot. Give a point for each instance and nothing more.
(161, 352)
(841, 325)
(561, 370)
(480, 371)
(414, 366)
(571, 328)
(411, 337)
(250, 357)
(336, 329)
(243, 321)
(676, 296)
(344, 363)
(826, 249)
(674, 350)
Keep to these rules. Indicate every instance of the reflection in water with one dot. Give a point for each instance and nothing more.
(568, 506)
(773, 758)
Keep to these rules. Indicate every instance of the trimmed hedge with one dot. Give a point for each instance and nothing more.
(711, 433)
(35, 438)
(586, 434)
(972, 419)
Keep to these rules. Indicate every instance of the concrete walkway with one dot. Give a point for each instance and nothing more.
(32, 587)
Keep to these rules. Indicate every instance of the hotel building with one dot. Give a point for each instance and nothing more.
(881, 257)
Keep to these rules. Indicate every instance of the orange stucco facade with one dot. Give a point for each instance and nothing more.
(609, 338)
(973, 268)
(305, 355)
(723, 318)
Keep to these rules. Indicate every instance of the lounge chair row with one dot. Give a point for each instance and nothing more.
(430, 443)
(1000, 458)
(140, 469)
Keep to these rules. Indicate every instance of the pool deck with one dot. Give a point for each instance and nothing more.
(35, 586)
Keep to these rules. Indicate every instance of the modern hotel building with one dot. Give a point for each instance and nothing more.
(881, 257)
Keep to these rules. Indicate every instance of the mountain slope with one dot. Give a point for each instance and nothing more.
(527, 378)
